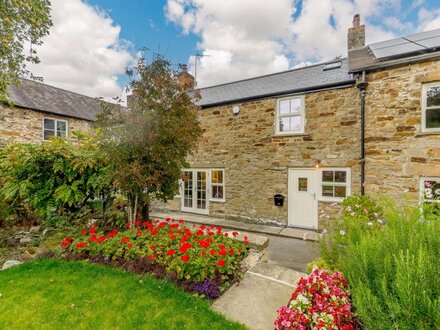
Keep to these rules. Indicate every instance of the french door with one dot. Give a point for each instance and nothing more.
(195, 191)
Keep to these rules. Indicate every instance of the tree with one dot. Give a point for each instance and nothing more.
(21, 22)
(147, 145)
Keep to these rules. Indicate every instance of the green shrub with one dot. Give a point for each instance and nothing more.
(393, 270)
(54, 181)
(358, 215)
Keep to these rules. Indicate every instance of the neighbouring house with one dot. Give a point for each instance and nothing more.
(286, 148)
(40, 111)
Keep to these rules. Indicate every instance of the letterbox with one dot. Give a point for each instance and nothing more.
(278, 199)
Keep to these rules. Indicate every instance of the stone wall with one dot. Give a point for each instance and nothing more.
(256, 161)
(398, 153)
(25, 125)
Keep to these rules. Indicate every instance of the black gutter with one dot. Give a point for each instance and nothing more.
(362, 86)
(342, 84)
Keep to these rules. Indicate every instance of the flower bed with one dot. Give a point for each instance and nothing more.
(320, 301)
(202, 259)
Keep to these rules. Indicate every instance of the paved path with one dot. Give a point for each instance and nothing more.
(239, 225)
(255, 300)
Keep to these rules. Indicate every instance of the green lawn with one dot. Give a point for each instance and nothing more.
(51, 294)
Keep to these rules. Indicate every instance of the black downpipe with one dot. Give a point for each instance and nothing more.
(362, 86)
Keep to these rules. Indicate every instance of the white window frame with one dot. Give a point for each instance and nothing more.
(301, 115)
(346, 184)
(424, 107)
(422, 189)
(211, 185)
(56, 126)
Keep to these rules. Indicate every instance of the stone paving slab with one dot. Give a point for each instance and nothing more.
(238, 225)
(255, 300)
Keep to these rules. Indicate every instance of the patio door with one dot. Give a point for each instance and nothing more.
(195, 191)
(302, 199)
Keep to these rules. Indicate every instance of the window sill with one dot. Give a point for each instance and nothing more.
(217, 200)
(330, 200)
(420, 133)
(291, 134)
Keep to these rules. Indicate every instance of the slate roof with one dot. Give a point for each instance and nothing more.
(308, 78)
(38, 96)
(402, 50)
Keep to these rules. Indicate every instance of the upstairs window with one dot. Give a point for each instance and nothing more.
(54, 127)
(431, 108)
(290, 115)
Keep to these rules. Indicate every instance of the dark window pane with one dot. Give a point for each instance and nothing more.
(220, 176)
(340, 176)
(48, 133)
(433, 118)
(327, 191)
(61, 128)
(49, 124)
(327, 176)
(302, 184)
(217, 192)
(340, 191)
(433, 96)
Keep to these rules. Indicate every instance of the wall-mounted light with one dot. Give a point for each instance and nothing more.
(317, 163)
(235, 110)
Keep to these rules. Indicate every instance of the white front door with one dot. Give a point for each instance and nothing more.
(195, 191)
(302, 199)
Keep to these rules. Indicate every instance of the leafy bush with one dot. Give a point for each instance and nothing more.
(199, 254)
(320, 301)
(393, 270)
(54, 180)
(358, 215)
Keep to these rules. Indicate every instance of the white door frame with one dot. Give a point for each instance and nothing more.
(195, 204)
(302, 207)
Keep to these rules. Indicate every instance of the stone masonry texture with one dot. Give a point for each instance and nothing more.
(25, 125)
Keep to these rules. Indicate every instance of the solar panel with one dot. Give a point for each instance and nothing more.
(419, 42)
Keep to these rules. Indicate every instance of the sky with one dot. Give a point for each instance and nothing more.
(92, 42)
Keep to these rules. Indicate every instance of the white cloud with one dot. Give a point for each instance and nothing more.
(252, 37)
(429, 19)
(83, 52)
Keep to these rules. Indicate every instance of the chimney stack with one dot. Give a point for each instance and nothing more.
(186, 80)
(356, 34)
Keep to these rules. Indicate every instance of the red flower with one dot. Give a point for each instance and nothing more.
(174, 225)
(154, 232)
(130, 246)
(221, 246)
(81, 245)
(221, 263)
(200, 232)
(222, 252)
(181, 221)
(234, 233)
(145, 224)
(173, 237)
(171, 252)
(125, 239)
(184, 258)
(92, 230)
(152, 247)
(137, 223)
(226, 234)
(127, 225)
(139, 232)
(151, 256)
(213, 252)
(204, 253)
(231, 252)
(210, 233)
(67, 241)
(185, 247)
(83, 232)
(167, 219)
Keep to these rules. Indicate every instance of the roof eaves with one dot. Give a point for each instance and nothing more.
(342, 84)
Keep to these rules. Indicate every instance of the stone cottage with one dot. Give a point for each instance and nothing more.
(287, 147)
(41, 111)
